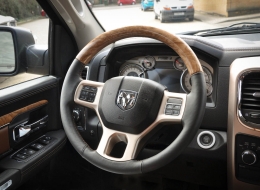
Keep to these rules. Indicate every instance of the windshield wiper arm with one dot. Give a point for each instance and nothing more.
(238, 27)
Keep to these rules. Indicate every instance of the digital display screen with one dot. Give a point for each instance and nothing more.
(167, 77)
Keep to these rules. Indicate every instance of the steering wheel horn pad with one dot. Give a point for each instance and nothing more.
(130, 104)
(140, 117)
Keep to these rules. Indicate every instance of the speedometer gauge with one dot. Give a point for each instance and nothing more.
(187, 85)
(132, 70)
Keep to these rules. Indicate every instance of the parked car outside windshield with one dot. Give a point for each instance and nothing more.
(7, 21)
(147, 4)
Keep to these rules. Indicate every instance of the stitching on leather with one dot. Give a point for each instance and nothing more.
(25, 172)
(28, 95)
(83, 149)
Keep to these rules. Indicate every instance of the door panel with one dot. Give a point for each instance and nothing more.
(29, 113)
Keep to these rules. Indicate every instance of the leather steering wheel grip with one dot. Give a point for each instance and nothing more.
(193, 113)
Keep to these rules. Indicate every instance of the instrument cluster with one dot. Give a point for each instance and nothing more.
(156, 67)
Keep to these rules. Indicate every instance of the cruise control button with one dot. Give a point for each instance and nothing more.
(175, 112)
(168, 112)
(169, 106)
(176, 107)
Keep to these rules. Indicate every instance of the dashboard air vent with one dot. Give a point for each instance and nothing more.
(250, 97)
(84, 73)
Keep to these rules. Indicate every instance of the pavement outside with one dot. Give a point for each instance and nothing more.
(204, 16)
(215, 19)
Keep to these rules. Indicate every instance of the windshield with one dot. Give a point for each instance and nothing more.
(175, 16)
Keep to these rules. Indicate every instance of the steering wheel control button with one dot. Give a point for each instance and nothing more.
(88, 93)
(173, 106)
(206, 139)
(169, 106)
(175, 101)
(168, 112)
(249, 157)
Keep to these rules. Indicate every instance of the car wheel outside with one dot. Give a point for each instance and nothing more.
(120, 4)
(191, 18)
(155, 16)
(161, 18)
(133, 3)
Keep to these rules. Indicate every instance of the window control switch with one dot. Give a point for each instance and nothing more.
(44, 141)
(27, 152)
(36, 146)
(21, 156)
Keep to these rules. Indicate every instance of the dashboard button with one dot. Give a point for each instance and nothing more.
(206, 139)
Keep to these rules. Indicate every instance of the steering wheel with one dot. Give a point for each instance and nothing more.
(130, 108)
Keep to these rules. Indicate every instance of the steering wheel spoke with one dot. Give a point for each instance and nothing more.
(88, 93)
(109, 140)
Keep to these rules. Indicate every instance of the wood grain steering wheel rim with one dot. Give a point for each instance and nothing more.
(190, 113)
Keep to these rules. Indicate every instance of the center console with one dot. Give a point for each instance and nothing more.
(244, 124)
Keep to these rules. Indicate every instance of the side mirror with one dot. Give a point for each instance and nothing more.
(13, 44)
(7, 53)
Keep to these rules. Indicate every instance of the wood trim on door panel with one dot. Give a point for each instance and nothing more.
(6, 119)
(4, 140)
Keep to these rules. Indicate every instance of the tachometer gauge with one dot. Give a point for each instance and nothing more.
(148, 62)
(179, 64)
(187, 85)
(132, 70)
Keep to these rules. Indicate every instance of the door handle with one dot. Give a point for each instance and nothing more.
(25, 129)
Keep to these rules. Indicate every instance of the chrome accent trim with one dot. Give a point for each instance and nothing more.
(235, 126)
(206, 146)
(4, 125)
(256, 94)
(126, 99)
(24, 128)
(6, 185)
(86, 67)
(248, 152)
(239, 112)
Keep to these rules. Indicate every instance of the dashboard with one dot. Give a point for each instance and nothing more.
(151, 59)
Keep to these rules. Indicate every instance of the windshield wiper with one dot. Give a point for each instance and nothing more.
(243, 27)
